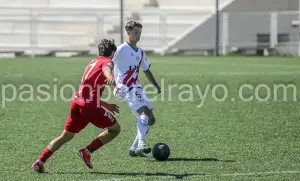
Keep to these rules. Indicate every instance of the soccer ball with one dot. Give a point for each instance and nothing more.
(161, 151)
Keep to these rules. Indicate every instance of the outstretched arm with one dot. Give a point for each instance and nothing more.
(151, 78)
(107, 71)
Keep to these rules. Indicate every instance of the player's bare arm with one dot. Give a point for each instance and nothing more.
(151, 78)
(107, 71)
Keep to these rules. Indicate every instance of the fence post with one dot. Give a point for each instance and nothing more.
(33, 32)
(121, 21)
(273, 29)
(224, 33)
(162, 28)
(217, 29)
(99, 27)
(298, 34)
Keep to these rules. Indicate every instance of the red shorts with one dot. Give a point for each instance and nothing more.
(80, 117)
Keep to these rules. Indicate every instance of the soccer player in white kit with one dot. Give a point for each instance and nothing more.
(127, 61)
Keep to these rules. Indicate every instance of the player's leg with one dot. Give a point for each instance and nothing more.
(73, 125)
(57, 142)
(143, 125)
(54, 145)
(134, 145)
(142, 109)
(112, 130)
(105, 137)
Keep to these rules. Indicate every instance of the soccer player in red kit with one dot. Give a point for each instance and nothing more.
(87, 107)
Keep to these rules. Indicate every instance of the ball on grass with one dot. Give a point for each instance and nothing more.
(161, 151)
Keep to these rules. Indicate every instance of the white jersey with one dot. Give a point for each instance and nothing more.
(127, 63)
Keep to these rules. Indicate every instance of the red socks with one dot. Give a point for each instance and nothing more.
(95, 145)
(45, 155)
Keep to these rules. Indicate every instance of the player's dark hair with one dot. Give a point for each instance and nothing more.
(131, 24)
(106, 47)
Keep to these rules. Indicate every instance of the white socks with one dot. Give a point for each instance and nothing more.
(135, 142)
(142, 130)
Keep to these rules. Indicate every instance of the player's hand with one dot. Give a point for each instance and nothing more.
(110, 81)
(113, 108)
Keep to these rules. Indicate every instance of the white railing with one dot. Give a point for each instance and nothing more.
(66, 29)
(60, 29)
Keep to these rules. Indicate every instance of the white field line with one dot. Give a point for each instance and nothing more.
(13, 75)
(229, 73)
(226, 64)
(198, 176)
(216, 73)
(262, 173)
(206, 73)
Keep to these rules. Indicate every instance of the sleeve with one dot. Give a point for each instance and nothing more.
(108, 63)
(120, 65)
(120, 70)
(145, 63)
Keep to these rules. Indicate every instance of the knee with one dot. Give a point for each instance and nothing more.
(148, 113)
(116, 129)
(65, 137)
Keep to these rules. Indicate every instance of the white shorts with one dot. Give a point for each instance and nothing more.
(137, 98)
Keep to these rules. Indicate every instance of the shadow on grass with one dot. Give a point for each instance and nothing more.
(198, 159)
(156, 174)
(142, 174)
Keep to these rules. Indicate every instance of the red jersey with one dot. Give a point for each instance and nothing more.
(93, 83)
